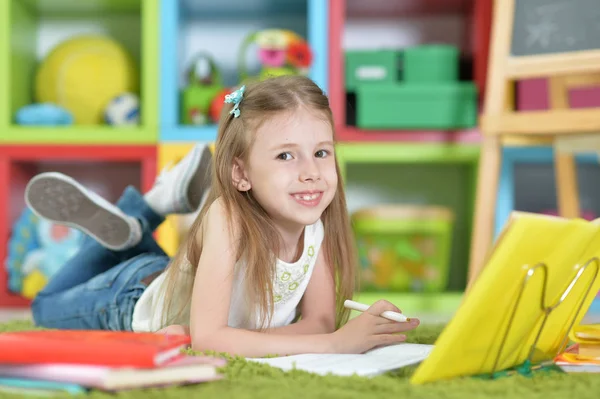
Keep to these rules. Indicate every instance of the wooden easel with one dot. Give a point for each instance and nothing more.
(501, 125)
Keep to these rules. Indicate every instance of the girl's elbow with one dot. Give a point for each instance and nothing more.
(329, 327)
(326, 325)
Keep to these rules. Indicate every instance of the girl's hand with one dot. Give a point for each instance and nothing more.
(369, 330)
(174, 329)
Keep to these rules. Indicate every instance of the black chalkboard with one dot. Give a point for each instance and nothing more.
(555, 26)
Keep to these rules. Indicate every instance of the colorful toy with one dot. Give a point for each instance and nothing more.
(37, 250)
(44, 114)
(280, 51)
(216, 106)
(123, 110)
(84, 74)
(204, 83)
(23, 240)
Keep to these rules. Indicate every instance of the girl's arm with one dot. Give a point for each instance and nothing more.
(317, 306)
(211, 299)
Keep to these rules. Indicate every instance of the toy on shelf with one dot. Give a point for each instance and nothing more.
(415, 88)
(44, 114)
(83, 74)
(37, 249)
(203, 86)
(403, 248)
(280, 52)
(216, 106)
(123, 110)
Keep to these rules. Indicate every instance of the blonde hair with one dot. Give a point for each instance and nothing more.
(259, 241)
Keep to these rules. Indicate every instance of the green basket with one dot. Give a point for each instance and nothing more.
(403, 248)
(416, 105)
(371, 66)
(431, 64)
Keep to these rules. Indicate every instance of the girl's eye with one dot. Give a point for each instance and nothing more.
(284, 156)
(321, 153)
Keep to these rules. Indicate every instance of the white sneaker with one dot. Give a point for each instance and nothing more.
(181, 188)
(60, 199)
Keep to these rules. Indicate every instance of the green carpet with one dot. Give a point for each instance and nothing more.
(251, 380)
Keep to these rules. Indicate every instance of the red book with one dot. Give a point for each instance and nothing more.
(92, 347)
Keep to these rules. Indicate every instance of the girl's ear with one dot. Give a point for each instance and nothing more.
(239, 176)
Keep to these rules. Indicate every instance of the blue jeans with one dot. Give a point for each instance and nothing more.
(97, 288)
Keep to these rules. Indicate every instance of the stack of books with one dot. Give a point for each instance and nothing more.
(76, 361)
(584, 355)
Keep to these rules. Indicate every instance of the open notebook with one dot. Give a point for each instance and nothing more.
(374, 362)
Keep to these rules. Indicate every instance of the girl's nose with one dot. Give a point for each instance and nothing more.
(310, 171)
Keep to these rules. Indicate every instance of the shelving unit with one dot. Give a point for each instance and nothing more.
(421, 167)
(106, 158)
(105, 169)
(162, 36)
(30, 29)
(189, 27)
(469, 18)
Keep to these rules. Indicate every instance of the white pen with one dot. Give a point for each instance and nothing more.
(361, 307)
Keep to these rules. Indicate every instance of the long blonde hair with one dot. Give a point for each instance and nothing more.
(258, 239)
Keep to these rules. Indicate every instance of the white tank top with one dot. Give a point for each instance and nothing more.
(291, 280)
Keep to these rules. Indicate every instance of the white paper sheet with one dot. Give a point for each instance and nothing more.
(372, 363)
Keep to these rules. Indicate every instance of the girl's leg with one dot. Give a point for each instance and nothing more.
(130, 221)
(104, 302)
(99, 286)
(116, 233)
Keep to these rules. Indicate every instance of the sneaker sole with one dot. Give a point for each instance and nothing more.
(60, 200)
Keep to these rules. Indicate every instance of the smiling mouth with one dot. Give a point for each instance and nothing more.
(308, 199)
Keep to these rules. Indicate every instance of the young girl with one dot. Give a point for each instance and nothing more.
(268, 262)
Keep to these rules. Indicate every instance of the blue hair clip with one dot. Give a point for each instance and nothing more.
(235, 98)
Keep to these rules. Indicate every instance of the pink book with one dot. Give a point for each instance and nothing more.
(183, 370)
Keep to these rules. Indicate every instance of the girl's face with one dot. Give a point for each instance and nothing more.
(291, 168)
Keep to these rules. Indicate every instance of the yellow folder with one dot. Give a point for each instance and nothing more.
(538, 282)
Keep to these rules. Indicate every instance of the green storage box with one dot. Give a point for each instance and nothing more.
(431, 64)
(403, 248)
(368, 66)
(416, 106)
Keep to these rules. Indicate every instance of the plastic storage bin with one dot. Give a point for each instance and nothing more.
(416, 106)
(431, 64)
(371, 66)
(403, 248)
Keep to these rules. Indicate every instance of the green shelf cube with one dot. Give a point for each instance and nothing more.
(371, 66)
(416, 106)
(132, 23)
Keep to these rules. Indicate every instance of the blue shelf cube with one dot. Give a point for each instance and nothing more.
(511, 158)
(217, 28)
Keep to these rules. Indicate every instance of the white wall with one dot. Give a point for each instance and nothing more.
(370, 33)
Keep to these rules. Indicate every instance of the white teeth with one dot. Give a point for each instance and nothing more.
(306, 197)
